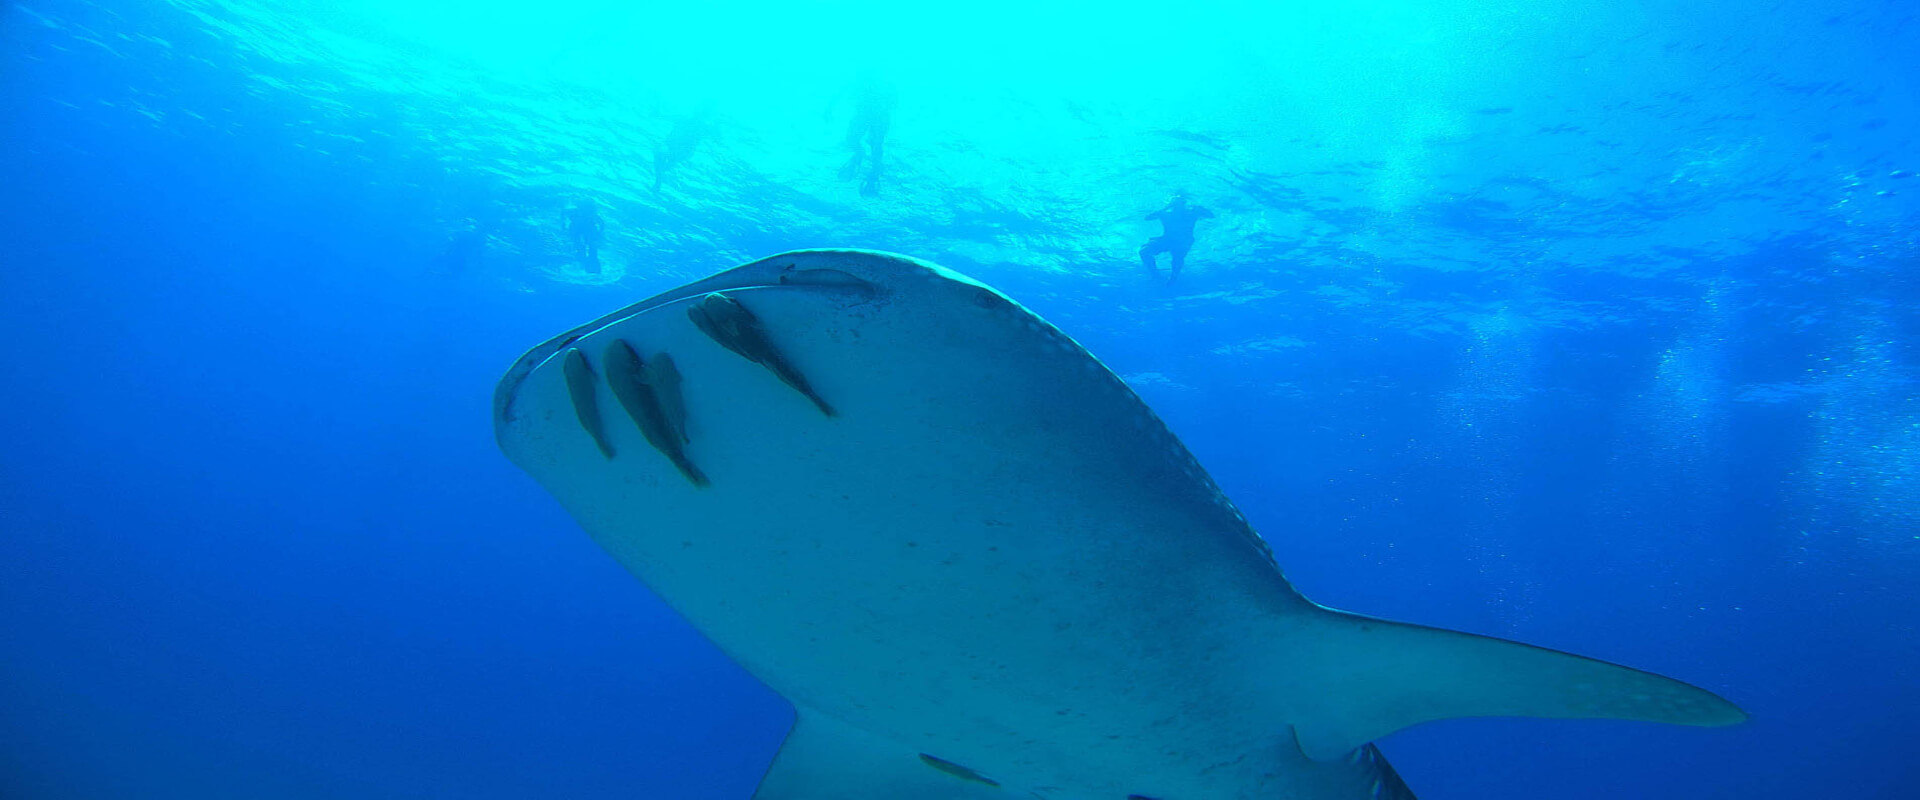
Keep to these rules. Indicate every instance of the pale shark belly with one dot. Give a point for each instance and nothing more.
(974, 560)
(993, 541)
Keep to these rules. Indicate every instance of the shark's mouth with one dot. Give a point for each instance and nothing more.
(788, 271)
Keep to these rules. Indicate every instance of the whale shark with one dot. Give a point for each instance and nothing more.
(976, 564)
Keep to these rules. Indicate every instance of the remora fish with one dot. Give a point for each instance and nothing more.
(726, 321)
(586, 403)
(997, 575)
(650, 406)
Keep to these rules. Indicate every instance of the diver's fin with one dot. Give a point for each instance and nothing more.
(1378, 676)
(825, 759)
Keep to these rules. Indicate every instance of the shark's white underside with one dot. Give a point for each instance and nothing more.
(994, 573)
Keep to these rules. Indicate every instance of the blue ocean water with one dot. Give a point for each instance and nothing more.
(1584, 324)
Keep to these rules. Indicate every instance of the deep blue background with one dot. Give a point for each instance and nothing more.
(256, 541)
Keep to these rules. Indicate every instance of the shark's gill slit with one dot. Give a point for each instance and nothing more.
(650, 392)
(956, 770)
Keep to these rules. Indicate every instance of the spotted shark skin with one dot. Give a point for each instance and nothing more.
(995, 573)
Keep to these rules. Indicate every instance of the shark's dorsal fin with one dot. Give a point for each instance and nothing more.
(825, 759)
(1378, 676)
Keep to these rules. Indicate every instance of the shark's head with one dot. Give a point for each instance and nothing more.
(849, 293)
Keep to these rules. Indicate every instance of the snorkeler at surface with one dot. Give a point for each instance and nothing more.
(873, 101)
(465, 250)
(686, 134)
(587, 230)
(1176, 235)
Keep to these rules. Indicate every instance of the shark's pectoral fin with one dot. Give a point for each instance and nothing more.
(1377, 677)
(825, 759)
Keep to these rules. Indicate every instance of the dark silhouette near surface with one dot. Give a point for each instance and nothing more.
(465, 251)
(873, 102)
(1176, 235)
(588, 231)
(685, 135)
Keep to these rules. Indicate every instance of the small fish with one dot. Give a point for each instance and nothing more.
(956, 770)
(586, 404)
(659, 373)
(628, 377)
(724, 320)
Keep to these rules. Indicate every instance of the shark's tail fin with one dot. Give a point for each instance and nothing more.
(1371, 677)
(1369, 767)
